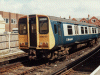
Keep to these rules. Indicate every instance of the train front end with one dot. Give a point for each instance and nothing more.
(23, 34)
(37, 35)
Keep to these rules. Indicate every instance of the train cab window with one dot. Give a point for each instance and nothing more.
(22, 26)
(86, 30)
(55, 28)
(69, 30)
(82, 30)
(43, 25)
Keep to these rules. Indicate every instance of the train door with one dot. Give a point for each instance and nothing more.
(33, 35)
(60, 40)
(56, 33)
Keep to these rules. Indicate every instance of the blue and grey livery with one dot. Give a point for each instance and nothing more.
(67, 31)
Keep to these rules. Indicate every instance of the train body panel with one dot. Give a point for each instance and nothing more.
(57, 32)
(23, 39)
(51, 36)
(23, 43)
(62, 37)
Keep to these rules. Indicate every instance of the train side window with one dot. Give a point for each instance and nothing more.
(93, 30)
(82, 30)
(69, 30)
(86, 30)
(55, 28)
(97, 30)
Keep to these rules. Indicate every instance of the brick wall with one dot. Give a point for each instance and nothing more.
(1, 12)
(13, 25)
(6, 15)
(9, 26)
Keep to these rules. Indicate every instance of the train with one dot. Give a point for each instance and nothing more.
(51, 37)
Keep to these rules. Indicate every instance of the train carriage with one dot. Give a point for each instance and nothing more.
(44, 35)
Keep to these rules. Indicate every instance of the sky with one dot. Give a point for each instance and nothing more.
(63, 8)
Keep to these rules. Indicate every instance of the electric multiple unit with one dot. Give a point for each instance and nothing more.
(44, 35)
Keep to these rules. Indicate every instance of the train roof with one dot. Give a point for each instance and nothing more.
(66, 20)
(69, 21)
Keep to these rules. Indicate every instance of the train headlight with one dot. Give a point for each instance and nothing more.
(24, 44)
(41, 43)
(44, 44)
(21, 44)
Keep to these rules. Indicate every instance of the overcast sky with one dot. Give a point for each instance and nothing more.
(63, 8)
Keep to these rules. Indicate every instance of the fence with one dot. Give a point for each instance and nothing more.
(8, 41)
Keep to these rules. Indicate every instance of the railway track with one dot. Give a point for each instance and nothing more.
(9, 67)
(54, 67)
(21, 68)
(68, 68)
(45, 67)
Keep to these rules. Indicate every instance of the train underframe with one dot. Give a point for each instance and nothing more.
(59, 51)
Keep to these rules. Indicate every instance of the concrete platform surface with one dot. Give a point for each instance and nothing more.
(12, 53)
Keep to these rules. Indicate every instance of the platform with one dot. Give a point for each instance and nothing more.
(9, 54)
(96, 71)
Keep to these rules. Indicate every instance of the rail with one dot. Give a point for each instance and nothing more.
(69, 67)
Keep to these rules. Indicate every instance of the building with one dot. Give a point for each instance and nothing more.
(2, 25)
(11, 20)
(92, 20)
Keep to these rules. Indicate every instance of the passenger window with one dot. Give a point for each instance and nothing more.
(55, 29)
(95, 30)
(92, 30)
(69, 30)
(86, 30)
(82, 30)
